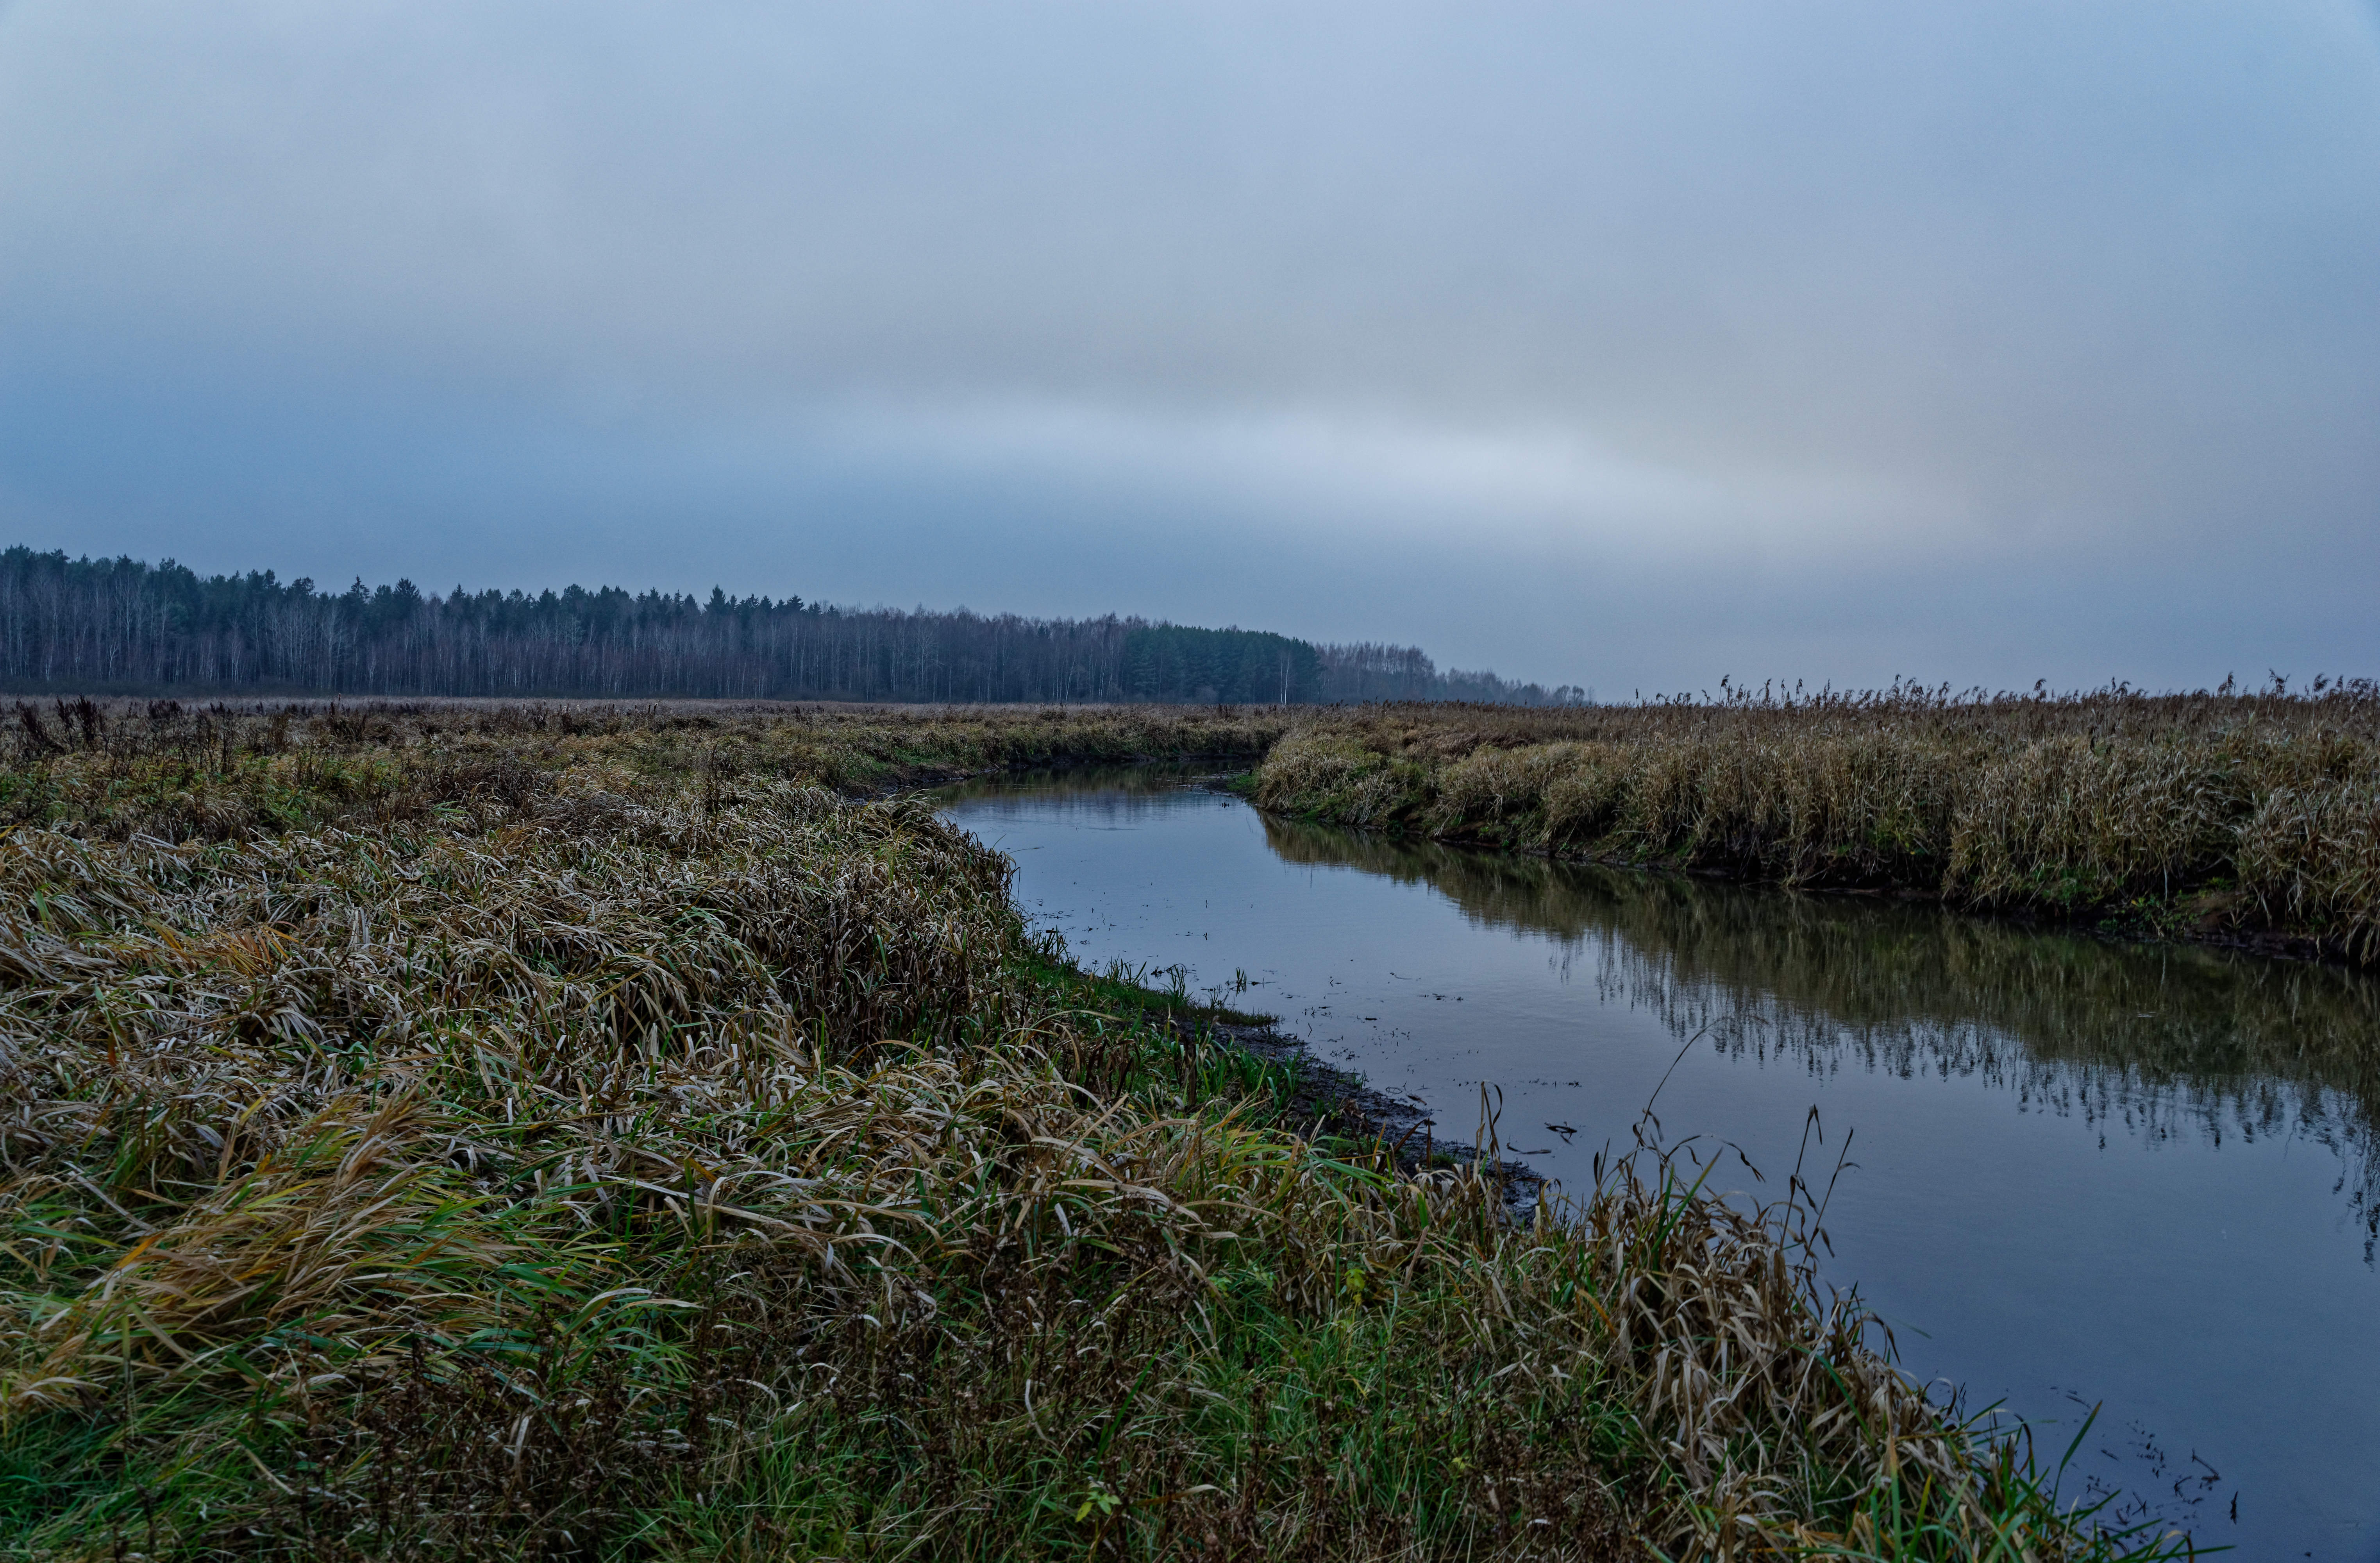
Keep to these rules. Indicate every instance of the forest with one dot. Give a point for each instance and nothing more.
(126, 627)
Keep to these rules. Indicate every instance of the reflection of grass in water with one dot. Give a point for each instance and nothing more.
(2156, 1039)
(1132, 784)
(1097, 795)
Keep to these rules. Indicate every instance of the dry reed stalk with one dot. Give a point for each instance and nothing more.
(572, 1154)
(2180, 814)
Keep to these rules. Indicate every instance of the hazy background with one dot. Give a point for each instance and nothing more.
(1629, 346)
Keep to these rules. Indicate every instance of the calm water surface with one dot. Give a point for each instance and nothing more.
(2083, 1174)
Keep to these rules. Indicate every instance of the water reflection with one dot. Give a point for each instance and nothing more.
(2162, 1042)
(1124, 791)
(2083, 1171)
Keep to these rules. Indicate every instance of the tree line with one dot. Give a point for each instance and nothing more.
(124, 626)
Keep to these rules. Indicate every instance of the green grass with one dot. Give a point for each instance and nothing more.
(607, 1145)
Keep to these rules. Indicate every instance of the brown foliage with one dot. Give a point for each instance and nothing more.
(2186, 813)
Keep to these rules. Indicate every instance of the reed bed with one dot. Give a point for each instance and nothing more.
(584, 1145)
(2207, 815)
(120, 767)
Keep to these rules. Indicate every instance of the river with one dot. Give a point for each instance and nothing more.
(2076, 1173)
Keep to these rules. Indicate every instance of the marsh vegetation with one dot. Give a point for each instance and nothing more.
(452, 1131)
(2208, 816)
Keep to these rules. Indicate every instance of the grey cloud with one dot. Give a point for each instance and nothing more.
(1728, 334)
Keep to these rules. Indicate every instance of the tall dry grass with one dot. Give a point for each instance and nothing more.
(2199, 814)
(161, 768)
(595, 1149)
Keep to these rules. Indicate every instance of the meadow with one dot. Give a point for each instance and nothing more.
(2251, 818)
(455, 1130)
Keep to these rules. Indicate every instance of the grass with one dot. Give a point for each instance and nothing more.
(457, 1132)
(2208, 816)
(118, 768)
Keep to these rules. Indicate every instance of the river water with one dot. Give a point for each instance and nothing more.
(2079, 1174)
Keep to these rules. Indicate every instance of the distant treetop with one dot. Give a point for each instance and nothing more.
(127, 625)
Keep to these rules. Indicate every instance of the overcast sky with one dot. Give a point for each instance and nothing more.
(1628, 346)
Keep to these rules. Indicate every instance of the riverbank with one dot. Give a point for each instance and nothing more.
(608, 1143)
(2247, 820)
(114, 769)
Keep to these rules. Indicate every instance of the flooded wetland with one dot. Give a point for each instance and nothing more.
(2072, 1173)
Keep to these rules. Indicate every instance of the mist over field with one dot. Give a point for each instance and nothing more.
(1600, 345)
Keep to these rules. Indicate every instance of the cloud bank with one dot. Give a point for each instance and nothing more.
(1628, 346)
